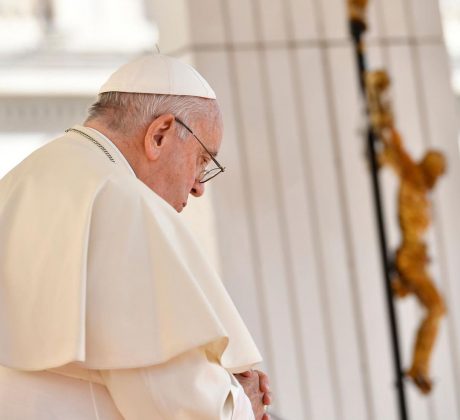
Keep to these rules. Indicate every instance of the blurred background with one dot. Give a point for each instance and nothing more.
(290, 225)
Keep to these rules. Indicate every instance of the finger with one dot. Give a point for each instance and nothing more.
(243, 375)
(263, 376)
(267, 398)
(246, 374)
(264, 382)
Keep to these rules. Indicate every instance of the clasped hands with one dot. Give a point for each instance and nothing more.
(256, 386)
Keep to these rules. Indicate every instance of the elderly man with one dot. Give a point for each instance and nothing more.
(108, 308)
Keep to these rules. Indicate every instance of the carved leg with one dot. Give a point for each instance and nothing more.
(426, 335)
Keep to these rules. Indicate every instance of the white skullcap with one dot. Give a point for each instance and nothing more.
(160, 74)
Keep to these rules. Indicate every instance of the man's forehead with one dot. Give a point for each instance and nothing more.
(210, 133)
(214, 149)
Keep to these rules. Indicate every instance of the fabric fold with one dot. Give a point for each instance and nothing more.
(129, 288)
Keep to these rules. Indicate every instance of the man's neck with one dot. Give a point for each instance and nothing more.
(127, 146)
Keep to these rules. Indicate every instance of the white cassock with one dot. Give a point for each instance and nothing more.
(108, 308)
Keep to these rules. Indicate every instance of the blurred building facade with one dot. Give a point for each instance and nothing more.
(295, 220)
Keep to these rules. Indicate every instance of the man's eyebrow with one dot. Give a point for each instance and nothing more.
(208, 152)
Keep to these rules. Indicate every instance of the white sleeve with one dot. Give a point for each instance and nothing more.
(188, 387)
(242, 408)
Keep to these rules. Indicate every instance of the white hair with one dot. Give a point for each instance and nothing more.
(131, 112)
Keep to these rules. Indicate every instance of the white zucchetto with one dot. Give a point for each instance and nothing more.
(158, 74)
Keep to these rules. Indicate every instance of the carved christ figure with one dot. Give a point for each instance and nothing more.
(417, 180)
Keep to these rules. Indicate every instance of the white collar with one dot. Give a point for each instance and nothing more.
(107, 143)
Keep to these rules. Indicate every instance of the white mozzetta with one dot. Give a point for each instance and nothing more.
(100, 270)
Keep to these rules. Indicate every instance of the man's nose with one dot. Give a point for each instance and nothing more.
(197, 189)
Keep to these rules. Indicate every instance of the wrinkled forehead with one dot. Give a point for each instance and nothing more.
(214, 115)
(209, 127)
(212, 137)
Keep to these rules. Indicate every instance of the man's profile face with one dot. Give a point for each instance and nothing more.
(182, 161)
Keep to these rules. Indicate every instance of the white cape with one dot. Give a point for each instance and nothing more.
(95, 268)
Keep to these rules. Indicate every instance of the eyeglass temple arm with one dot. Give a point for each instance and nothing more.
(222, 168)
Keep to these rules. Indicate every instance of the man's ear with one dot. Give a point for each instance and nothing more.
(157, 133)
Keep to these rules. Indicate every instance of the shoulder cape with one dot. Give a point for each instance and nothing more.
(95, 268)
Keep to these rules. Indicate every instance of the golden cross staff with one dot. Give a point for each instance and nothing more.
(358, 26)
(408, 273)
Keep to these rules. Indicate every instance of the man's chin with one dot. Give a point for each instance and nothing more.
(180, 207)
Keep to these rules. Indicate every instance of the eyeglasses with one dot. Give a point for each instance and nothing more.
(206, 174)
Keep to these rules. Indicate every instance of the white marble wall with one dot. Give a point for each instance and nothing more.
(297, 234)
